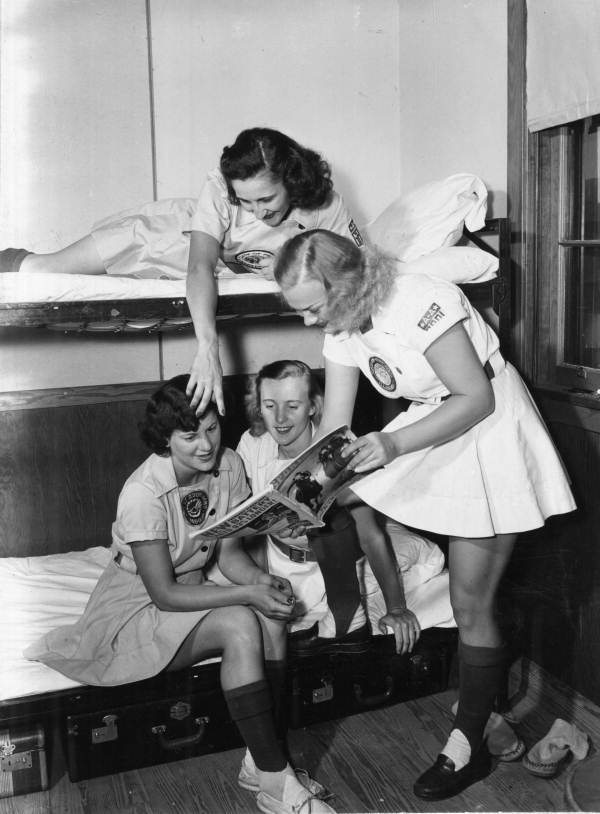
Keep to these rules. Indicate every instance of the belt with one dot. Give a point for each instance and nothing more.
(295, 554)
(487, 369)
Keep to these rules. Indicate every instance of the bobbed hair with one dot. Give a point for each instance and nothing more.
(168, 409)
(279, 370)
(357, 282)
(304, 174)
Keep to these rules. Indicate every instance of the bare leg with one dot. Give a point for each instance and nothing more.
(80, 257)
(476, 567)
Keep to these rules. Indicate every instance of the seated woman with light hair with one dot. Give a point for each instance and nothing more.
(284, 407)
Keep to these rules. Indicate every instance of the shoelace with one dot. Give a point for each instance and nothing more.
(324, 794)
(301, 807)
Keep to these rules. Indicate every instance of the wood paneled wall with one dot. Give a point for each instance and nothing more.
(66, 456)
(552, 587)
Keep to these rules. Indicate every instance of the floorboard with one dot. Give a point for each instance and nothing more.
(369, 760)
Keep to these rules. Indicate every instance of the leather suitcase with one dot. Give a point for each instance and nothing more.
(168, 718)
(330, 686)
(23, 764)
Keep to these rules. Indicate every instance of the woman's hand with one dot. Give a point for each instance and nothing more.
(371, 451)
(270, 600)
(405, 626)
(279, 583)
(206, 379)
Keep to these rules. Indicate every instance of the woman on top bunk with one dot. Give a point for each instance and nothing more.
(266, 189)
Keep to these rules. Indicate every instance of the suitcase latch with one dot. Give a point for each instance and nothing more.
(323, 693)
(14, 763)
(108, 732)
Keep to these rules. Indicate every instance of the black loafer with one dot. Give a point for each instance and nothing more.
(309, 643)
(442, 780)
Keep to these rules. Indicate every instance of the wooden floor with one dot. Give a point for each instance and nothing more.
(369, 760)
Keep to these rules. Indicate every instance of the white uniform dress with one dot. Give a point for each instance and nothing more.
(154, 240)
(501, 476)
(123, 636)
(418, 561)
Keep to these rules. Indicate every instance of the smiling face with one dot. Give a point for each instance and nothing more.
(195, 451)
(309, 299)
(286, 410)
(264, 196)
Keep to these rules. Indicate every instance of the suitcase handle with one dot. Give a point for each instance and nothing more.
(376, 700)
(171, 744)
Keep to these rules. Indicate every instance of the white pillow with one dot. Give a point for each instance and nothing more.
(456, 264)
(430, 217)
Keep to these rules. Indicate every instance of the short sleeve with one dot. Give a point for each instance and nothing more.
(336, 218)
(213, 211)
(244, 450)
(240, 490)
(337, 349)
(432, 309)
(140, 515)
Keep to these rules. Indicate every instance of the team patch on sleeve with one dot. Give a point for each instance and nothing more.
(433, 315)
(356, 235)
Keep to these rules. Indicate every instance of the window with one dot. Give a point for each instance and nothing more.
(568, 255)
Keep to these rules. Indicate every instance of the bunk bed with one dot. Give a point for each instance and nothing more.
(73, 303)
(105, 730)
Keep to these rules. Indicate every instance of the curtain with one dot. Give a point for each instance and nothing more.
(563, 61)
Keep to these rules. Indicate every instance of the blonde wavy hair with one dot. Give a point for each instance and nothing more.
(357, 282)
(281, 369)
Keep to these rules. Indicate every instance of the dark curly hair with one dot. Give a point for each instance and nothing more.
(304, 174)
(169, 409)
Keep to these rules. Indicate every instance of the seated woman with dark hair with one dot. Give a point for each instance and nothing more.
(266, 189)
(154, 608)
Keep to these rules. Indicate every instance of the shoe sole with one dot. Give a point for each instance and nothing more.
(514, 754)
(544, 769)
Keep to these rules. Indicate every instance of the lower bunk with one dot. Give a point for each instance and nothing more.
(48, 721)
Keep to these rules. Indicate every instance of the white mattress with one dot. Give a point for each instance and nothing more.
(41, 593)
(40, 287)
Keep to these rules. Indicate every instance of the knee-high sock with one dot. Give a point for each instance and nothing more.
(481, 677)
(250, 706)
(337, 548)
(276, 676)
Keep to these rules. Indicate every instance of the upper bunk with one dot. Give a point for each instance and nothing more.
(77, 303)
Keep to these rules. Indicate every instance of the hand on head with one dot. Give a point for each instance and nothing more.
(206, 381)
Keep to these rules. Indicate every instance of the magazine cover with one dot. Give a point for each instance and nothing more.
(301, 493)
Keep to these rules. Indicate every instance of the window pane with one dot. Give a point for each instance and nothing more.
(582, 307)
(589, 179)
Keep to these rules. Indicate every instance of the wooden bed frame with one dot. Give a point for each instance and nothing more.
(377, 680)
(167, 314)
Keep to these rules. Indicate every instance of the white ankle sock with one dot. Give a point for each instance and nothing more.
(457, 749)
(278, 783)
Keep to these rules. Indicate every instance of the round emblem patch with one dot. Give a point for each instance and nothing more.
(382, 373)
(256, 260)
(194, 506)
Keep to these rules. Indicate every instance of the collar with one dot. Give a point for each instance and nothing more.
(163, 474)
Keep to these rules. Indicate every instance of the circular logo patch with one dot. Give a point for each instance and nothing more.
(257, 260)
(382, 373)
(194, 506)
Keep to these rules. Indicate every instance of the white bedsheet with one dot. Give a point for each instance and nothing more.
(39, 287)
(41, 593)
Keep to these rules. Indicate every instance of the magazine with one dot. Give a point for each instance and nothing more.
(301, 493)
